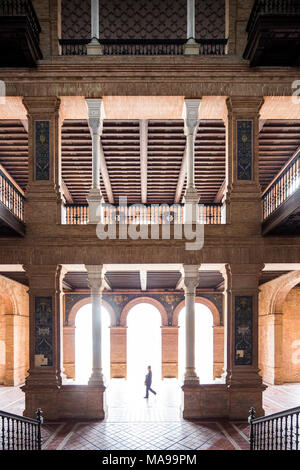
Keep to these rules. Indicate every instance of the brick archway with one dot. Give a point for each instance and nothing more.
(143, 300)
(87, 300)
(273, 361)
(14, 332)
(199, 300)
(218, 332)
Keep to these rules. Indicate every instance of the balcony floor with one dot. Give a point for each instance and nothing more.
(152, 425)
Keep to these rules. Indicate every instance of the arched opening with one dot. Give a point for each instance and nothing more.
(84, 344)
(203, 343)
(143, 344)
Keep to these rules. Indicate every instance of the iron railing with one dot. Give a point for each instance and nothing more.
(283, 186)
(21, 8)
(272, 7)
(147, 214)
(279, 431)
(142, 46)
(19, 433)
(11, 197)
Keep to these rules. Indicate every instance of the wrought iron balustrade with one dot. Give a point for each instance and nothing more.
(279, 431)
(210, 214)
(11, 197)
(283, 187)
(152, 47)
(21, 8)
(19, 433)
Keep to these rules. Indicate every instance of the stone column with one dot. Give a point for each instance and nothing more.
(95, 280)
(243, 192)
(95, 198)
(191, 47)
(191, 198)
(169, 351)
(191, 281)
(43, 193)
(44, 381)
(241, 339)
(94, 47)
(118, 352)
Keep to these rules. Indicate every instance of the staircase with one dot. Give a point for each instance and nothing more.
(19, 433)
(279, 431)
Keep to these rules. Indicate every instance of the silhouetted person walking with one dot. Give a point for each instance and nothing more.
(148, 382)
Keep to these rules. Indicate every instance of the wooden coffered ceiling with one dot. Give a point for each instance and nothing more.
(145, 159)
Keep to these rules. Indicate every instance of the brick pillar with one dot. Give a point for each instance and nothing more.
(218, 338)
(243, 193)
(69, 351)
(169, 351)
(241, 335)
(43, 384)
(270, 347)
(16, 333)
(118, 352)
(43, 204)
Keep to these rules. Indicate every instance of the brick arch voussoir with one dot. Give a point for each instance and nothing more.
(142, 300)
(199, 300)
(87, 300)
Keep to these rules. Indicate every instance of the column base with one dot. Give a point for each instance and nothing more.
(95, 200)
(96, 380)
(66, 402)
(191, 48)
(190, 377)
(191, 212)
(221, 401)
(94, 48)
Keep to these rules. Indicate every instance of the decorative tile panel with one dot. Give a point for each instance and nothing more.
(244, 150)
(42, 150)
(43, 331)
(210, 19)
(143, 19)
(243, 330)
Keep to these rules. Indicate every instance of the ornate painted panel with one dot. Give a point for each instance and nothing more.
(43, 331)
(244, 150)
(42, 150)
(118, 301)
(243, 330)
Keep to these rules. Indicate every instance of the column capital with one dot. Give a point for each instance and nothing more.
(96, 114)
(38, 105)
(95, 278)
(244, 106)
(190, 115)
(190, 277)
(95, 108)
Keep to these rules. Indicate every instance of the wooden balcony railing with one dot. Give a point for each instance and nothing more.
(21, 8)
(272, 7)
(210, 214)
(11, 196)
(279, 431)
(19, 433)
(283, 186)
(142, 46)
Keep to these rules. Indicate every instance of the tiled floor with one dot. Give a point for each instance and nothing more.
(135, 423)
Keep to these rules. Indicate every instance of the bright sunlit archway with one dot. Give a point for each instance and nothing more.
(143, 344)
(84, 344)
(203, 343)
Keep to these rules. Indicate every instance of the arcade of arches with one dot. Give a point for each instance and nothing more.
(278, 338)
